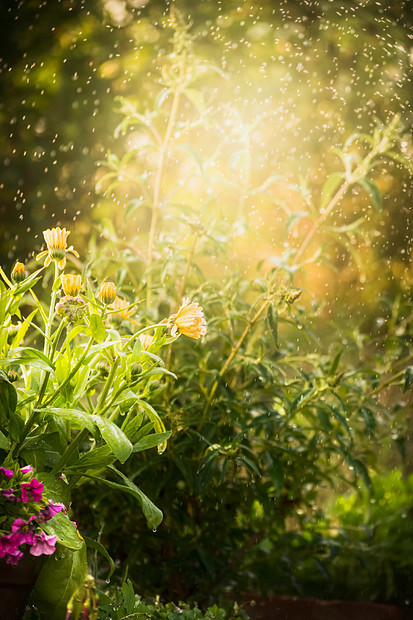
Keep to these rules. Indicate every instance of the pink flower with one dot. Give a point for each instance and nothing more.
(43, 544)
(7, 473)
(27, 469)
(15, 558)
(50, 511)
(34, 488)
(19, 524)
(9, 545)
(9, 494)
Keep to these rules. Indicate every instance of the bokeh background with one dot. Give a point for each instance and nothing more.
(298, 78)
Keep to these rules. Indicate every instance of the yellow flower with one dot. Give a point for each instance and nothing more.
(189, 320)
(107, 292)
(56, 246)
(146, 341)
(71, 284)
(18, 274)
(119, 305)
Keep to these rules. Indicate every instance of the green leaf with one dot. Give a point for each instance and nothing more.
(94, 544)
(301, 399)
(26, 284)
(98, 458)
(62, 369)
(152, 514)
(4, 442)
(63, 573)
(272, 317)
(131, 207)
(293, 218)
(369, 420)
(373, 190)
(362, 471)
(76, 417)
(150, 441)
(341, 419)
(17, 340)
(408, 378)
(55, 488)
(8, 399)
(329, 188)
(32, 357)
(128, 594)
(96, 328)
(114, 437)
(157, 422)
(334, 364)
(62, 527)
(16, 426)
(135, 433)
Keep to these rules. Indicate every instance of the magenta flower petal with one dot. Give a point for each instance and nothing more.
(34, 488)
(17, 525)
(51, 510)
(27, 469)
(43, 544)
(7, 473)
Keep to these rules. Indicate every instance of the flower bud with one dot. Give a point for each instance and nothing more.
(83, 604)
(107, 292)
(71, 284)
(136, 369)
(292, 295)
(12, 376)
(103, 368)
(18, 274)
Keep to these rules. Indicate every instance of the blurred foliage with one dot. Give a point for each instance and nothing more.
(299, 77)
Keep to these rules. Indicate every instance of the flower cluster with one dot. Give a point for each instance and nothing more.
(23, 510)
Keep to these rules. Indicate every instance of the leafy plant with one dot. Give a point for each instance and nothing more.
(74, 408)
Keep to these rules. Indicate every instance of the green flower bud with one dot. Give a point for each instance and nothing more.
(18, 274)
(136, 369)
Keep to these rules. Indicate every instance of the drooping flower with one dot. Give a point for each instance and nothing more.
(34, 488)
(189, 320)
(146, 341)
(56, 246)
(43, 544)
(71, 283)
(19, 273)
(122, 310)
(7, 473)
(107, 292)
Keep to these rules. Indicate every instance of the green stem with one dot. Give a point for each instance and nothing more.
(70, 375)
(233, 353)
(108, 385)
(180, 296)
(48, 326)
(69, 451)
(6, 279)
(157, 193)
(388, 382)
(361, 170)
